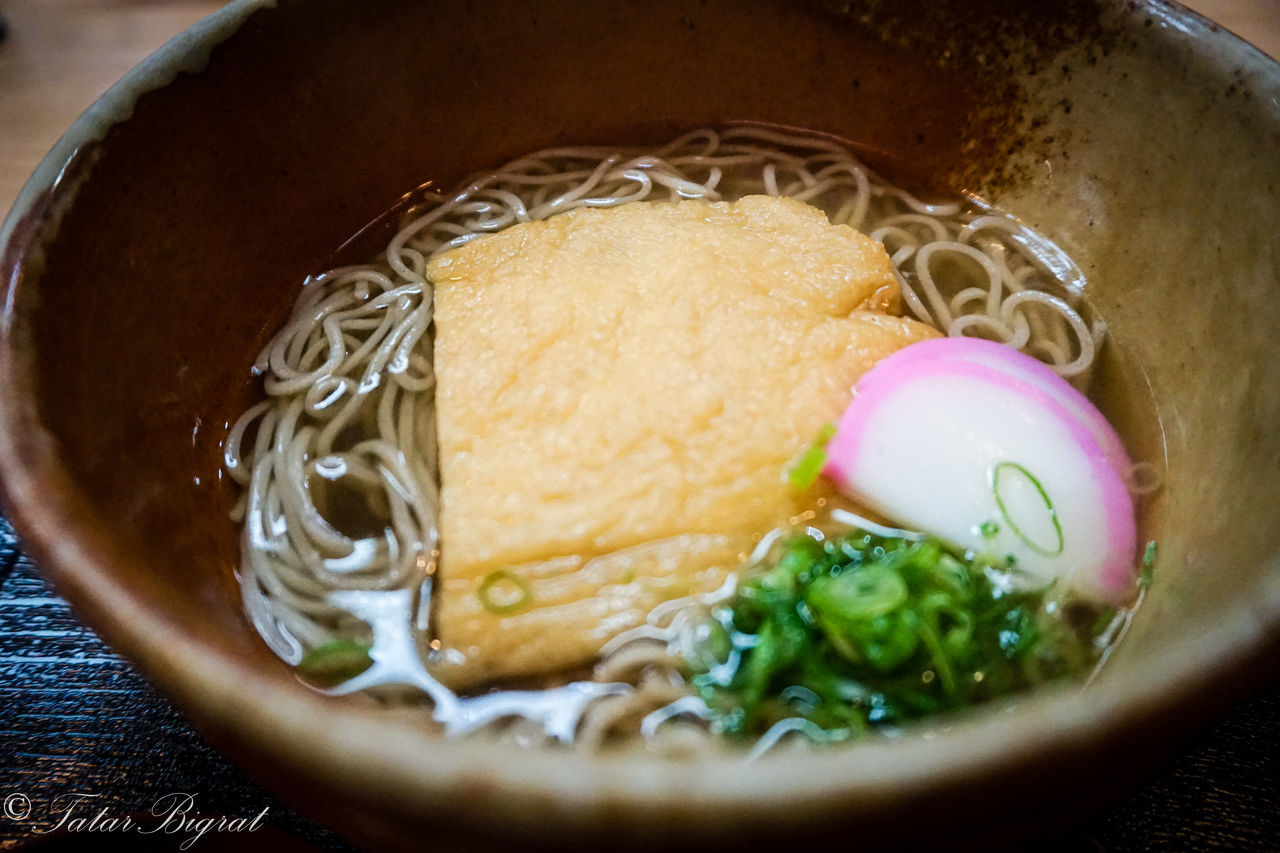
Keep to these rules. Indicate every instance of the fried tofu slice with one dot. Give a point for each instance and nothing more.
(620, 393)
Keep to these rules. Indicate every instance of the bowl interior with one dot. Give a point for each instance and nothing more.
(145, 279)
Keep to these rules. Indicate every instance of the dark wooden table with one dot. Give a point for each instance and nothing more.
(77, 719)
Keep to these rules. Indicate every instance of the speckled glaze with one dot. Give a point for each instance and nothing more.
(164, 237)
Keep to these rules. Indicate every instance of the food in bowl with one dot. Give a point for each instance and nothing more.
(613, 444)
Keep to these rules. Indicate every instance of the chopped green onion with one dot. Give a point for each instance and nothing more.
(1148, 565)
(335, 662)
(806, 471)
(504, 592)
(875, 630)
(996, 473)
(989, 529)
(865, 594)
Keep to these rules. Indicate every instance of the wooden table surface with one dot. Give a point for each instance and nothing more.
(59, 55)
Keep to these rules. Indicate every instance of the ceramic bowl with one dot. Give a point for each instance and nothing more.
(165, 236)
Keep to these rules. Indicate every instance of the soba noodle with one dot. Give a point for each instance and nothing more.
(346, 431)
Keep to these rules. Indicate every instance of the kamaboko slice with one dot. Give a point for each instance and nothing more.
(990, 450)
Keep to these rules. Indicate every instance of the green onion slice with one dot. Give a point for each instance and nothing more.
(1148, 565)
(503, 592)
(335, 662)
(998, 473)
(806, 471)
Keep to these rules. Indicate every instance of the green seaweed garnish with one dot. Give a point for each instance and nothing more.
(806, 471)
(858, 631)
(335, 662)
(504, 592)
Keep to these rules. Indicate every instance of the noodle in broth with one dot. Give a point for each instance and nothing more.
(338, 465)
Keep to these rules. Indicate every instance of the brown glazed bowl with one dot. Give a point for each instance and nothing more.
(164, 237)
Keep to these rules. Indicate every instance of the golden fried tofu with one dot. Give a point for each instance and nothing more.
(620, 393)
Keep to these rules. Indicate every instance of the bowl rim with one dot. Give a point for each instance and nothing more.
(58, 524)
